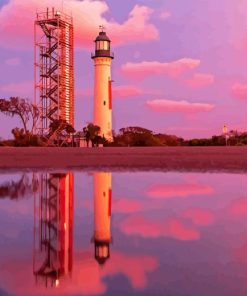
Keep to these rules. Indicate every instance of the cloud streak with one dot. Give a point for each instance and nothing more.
(124, 91)
(167, 191)
(164, 15)
(199, 216)
(23, 88)
(13, 62)
(173, 227)
(239, 207)
(164, 105)
(239, 91)
(200, 80)
(148, 68)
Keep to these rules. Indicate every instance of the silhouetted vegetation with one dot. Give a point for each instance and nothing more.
(18, 189)
(91, 133)
(28, 113)
(25, 110)
(62, 133)
(138, 136)
(62, 126)
(22, 139)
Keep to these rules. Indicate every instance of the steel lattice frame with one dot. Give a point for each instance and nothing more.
(53, 69)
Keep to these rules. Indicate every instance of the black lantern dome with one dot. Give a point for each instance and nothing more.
(102, 46)
(101, 251)
(102, 37)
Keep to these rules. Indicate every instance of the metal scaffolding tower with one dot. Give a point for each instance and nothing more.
(53, 68)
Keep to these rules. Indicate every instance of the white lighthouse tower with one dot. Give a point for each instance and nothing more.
(102, 84)
(102, 216)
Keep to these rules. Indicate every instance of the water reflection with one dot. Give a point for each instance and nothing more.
(102, 216)
(174, 233)
(53, 227)
(21, 188)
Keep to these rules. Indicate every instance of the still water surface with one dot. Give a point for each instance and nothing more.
(136, 233)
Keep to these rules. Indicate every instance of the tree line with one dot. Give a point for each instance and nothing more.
(63, 134)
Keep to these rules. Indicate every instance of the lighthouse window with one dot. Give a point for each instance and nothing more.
(104, 102)
(106, 45)
(101, 45)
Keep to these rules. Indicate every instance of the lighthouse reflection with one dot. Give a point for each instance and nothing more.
(53, 228)
(102, 216)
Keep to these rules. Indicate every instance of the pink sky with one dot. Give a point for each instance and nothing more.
(179, 68)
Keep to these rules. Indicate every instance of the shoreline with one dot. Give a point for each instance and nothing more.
(203, 159)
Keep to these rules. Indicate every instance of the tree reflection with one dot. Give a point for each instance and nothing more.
(22, 188)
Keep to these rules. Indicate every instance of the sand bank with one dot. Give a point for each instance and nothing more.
(230, 159)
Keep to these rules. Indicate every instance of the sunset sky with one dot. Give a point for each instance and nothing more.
(180, 67)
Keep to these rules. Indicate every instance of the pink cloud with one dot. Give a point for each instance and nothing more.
(88, 92)
(172, 69)
(239, 91)
(165, 14)
(125, 205)
(173, 227)
(166, 191)
(123, 91)
(199, 216)
(178, 106)
(180, 231)
(17, 18)
(185, 128)
(24, 88)
(13, 62)
(241, 253)
(239, 207)
(23, 209)
(200, 80)
(129, 31)
(134, 267)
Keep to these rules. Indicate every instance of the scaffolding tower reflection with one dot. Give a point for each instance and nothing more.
(53, 228)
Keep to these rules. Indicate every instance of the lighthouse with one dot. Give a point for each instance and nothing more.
(102, 216)
(102, 84)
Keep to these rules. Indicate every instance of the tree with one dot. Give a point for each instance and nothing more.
(169, 140)
(91, 133)
(61, 125)
(18, 189)
(60, 129)
(22, 108)
(136, 136)
(25, 139)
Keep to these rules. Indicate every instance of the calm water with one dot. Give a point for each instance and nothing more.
(121, 233)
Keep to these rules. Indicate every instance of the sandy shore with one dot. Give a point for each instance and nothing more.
(230, 159)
